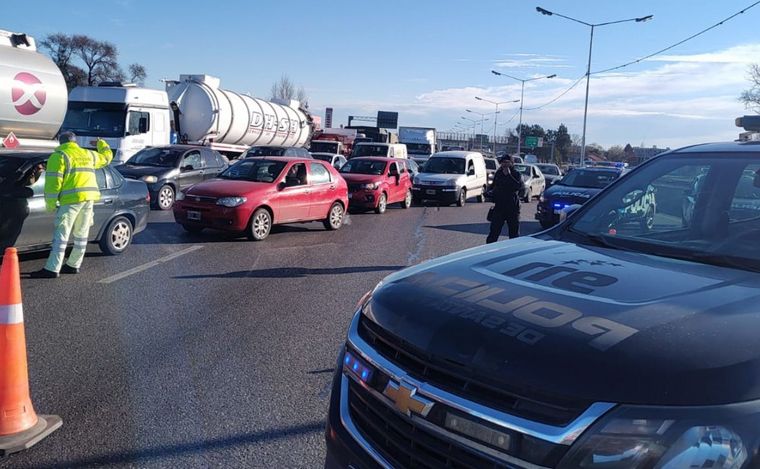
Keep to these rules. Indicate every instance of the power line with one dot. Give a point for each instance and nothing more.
(720, 23)
(560, 95)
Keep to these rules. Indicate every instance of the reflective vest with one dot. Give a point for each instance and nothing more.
(70, 174)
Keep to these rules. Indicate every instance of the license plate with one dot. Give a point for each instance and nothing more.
(193, 215)
(430, 192)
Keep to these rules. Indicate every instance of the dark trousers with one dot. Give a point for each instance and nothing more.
(511, 217)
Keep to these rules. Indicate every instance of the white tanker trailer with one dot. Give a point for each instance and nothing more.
(130, 118)
(32, 94)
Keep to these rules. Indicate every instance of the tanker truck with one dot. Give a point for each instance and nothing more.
(32, 95)
(131, 118)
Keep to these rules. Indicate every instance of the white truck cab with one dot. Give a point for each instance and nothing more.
(127, 117)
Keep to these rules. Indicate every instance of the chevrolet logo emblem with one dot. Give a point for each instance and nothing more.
(406, 400)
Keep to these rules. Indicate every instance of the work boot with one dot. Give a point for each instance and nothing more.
(43, 273)
(67, 269)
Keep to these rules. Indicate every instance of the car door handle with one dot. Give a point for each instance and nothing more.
(105, 202)
(332, 186)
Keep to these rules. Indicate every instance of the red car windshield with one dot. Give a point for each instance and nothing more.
(254, 170)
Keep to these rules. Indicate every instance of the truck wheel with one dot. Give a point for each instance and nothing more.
(334, 218)
(462, 199)
(382, 203)
(482, 196)
(165, 199)
(407, 202)
(117, 236)
(260, 225)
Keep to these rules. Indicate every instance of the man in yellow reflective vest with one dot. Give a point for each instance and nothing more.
(71, 190)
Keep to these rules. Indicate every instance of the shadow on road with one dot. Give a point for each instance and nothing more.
(295, 272)
(526, 228)
(194, 447)
(170, 233)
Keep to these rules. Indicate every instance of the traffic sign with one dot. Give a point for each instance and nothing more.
(531, 142)
(11, 141)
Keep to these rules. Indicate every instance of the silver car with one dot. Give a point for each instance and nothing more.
(121, 212)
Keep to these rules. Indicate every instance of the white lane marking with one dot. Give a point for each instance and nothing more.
(150, 264)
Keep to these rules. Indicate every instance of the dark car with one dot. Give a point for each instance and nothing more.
(265, 151)
(172, 168)
(551, 173)
(121, 212)
(598, 344)
(575, 188)
(492, 165)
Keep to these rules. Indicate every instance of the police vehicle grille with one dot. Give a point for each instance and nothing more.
(458, 380)
(405, 444)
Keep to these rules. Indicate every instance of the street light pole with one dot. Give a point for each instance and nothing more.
(482, 119)
(522, 102)
(640, 19)
(495, 116)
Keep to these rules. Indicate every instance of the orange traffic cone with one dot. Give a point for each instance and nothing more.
(20, 427)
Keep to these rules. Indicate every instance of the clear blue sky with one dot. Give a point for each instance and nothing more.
(428, 59)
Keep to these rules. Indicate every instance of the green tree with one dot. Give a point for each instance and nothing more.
(563, 142)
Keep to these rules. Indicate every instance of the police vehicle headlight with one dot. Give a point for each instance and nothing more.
(231, 201)
(635, 437)
(149, 179)
(541, 198)
(180, 195)
(416, 180)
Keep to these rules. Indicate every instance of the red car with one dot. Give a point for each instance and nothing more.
(255, 193)
(375, 182)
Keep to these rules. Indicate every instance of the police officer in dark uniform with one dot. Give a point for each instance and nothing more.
(507, 185)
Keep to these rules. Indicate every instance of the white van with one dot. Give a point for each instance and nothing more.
(385, 150)
(452, 177)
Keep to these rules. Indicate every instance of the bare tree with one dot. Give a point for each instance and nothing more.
(87, 61)
(284, 88)
(751, 97)
(302, 97)
(99, 58)
(60, 49)
(137, 74)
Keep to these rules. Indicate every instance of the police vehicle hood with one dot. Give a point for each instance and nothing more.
(551, 318)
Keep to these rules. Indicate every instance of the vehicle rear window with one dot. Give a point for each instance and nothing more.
(371, 150)
(491, 164)
(589, 179)
(319, 174)
(265, 151)
(549, 169)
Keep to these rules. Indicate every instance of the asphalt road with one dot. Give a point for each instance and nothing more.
(205, 350)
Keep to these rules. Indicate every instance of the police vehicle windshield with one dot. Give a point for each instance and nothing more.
(590, 179)
(701, 207)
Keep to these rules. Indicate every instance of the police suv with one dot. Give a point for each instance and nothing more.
(603, 343)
